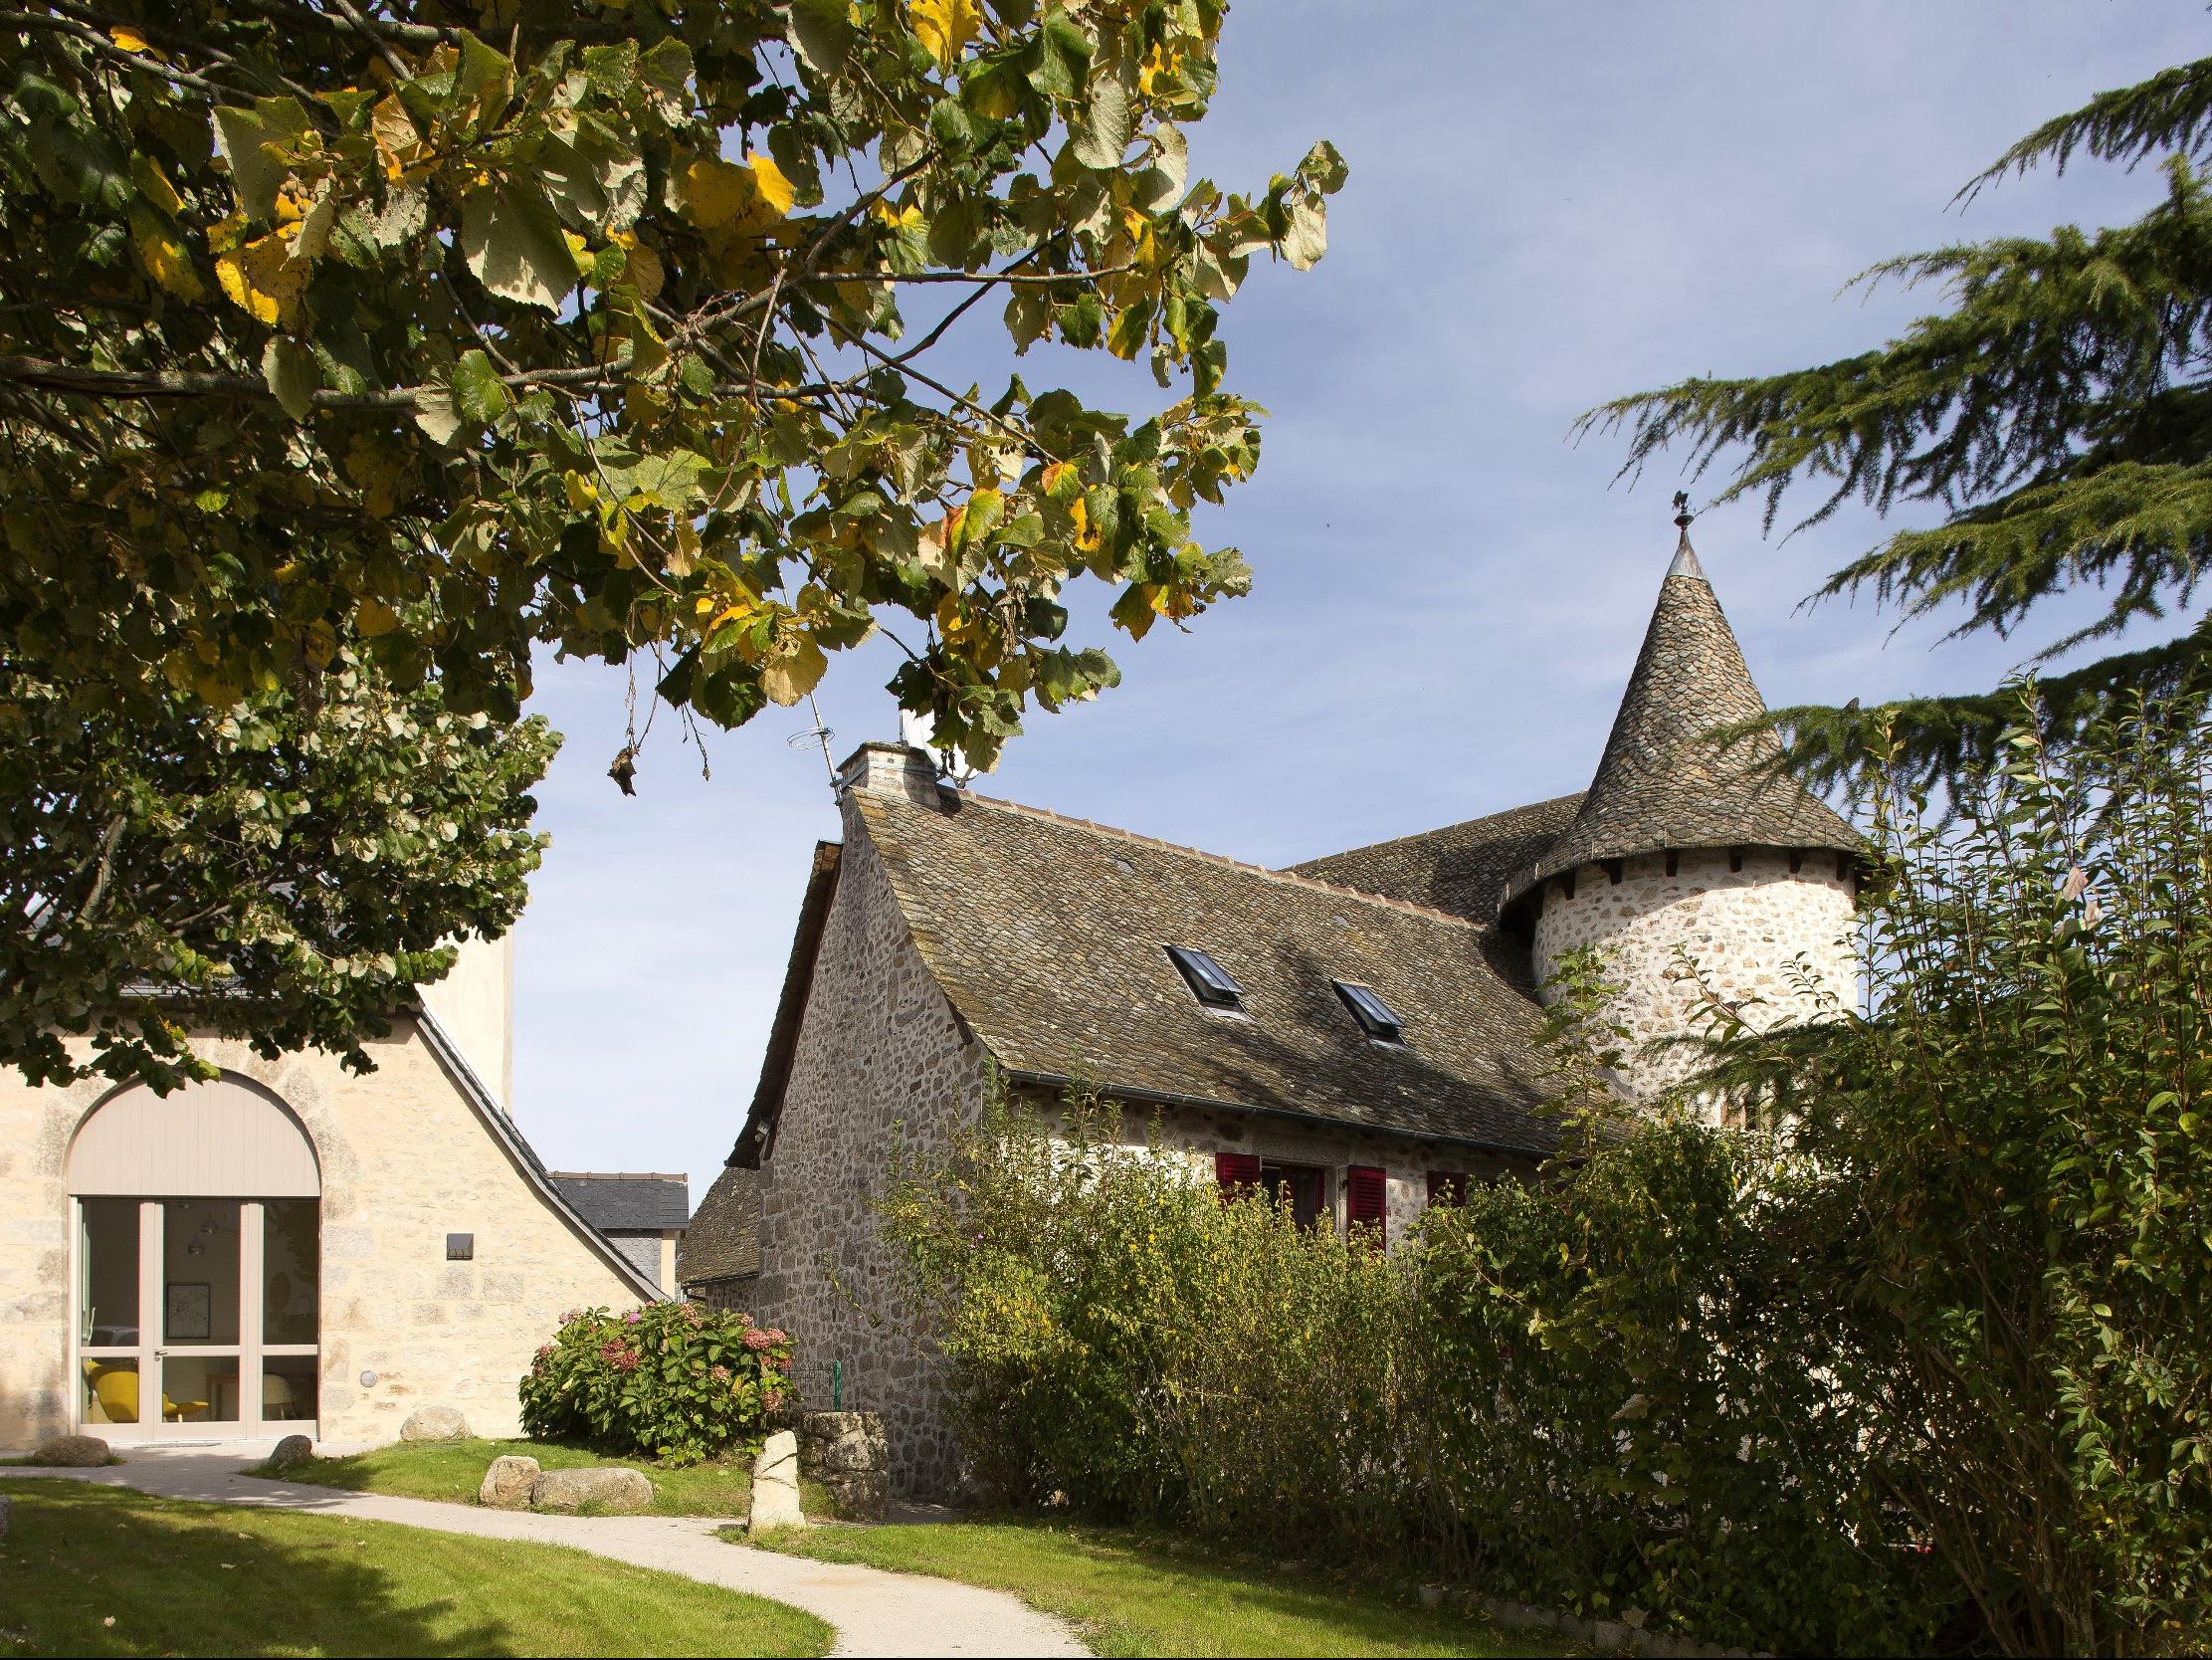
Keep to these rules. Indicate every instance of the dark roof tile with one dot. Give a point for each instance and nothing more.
(1663, 781)
(626, 1203)
(1048, 937)
(1460, 868)
(724, 1240)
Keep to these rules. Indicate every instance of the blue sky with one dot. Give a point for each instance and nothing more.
(1549, 205)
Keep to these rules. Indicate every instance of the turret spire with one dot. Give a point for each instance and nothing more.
(1665, 782)
(1685, 556)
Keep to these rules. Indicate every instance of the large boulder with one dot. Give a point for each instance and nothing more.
(73, 1452)
(293, 1449)
(611, 1489)
(434, 1423)
(847, 1454)
(775, 1485)
(508, 1484)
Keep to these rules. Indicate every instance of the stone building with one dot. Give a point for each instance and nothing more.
(718, 1260)
(1357, 1035)
(292, 1248)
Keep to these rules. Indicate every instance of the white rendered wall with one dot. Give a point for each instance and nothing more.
(475, 1005)
(1741, 927)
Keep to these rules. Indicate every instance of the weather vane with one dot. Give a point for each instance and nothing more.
(1683, 514)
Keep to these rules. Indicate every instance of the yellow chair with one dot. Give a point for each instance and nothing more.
(116, 1389)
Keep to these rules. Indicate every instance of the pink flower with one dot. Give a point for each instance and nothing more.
(719, 1375)
(772, 1399)
(782, 1363)
(544, 1351)
(618, 1354)
(630, 1318)
(758, 1339)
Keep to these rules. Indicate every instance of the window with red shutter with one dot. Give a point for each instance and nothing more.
(1234, 1171)
(1366, 1198)
(1447, 1187)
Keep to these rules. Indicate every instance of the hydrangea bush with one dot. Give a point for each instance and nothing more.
(669, 1380)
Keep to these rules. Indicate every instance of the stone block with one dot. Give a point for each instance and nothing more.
(293, 1449)
(434, 1423)
(73, 1452)
(508, 1483)
(775, 1485)
(612, 1489)
(6, 1505)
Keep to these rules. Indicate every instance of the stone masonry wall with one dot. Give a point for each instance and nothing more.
(1743, 929)
(878, 1046)
(405, 1161)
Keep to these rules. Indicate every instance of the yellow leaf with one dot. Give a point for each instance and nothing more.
(129, 38)
(944, 25)
(717, 192)
(768, 179)
(796, 670)
(260, 279)
(375, 618)
(579, 251)
(164, 255)
(376, 469)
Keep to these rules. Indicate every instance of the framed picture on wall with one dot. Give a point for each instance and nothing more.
(190, 1313)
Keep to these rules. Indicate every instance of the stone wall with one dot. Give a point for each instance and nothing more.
(405, 1161)
(881, 1060)
(1741, 926)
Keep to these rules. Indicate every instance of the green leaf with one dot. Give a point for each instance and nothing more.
(1307, 240)
(257, 143)
(1102, 136)
(1324, 168)
(820, 32)
(478, 392)
(290, 368)
(512, 240)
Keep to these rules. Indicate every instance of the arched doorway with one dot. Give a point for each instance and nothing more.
(196, 1283)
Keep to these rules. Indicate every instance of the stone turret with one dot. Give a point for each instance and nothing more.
(1686, 845)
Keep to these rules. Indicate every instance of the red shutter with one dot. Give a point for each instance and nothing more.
(1232, 1171)
(1447, 1187)
(1366, 1198)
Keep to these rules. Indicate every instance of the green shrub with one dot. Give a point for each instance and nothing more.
(668, 1380)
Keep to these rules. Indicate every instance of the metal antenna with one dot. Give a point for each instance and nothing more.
(816, 734)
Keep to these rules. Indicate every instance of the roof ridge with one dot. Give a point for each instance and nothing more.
(1424, 835)
(1291, 878)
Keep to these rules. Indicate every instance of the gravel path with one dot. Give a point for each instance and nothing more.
(876, 1613)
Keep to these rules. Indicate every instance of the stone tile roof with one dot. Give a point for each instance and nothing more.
(724, 1240)
(1049, 934)
(1663, 781)
(625, 1201)
(1462, 868)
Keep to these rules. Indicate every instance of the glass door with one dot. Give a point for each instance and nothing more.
(197, 1318)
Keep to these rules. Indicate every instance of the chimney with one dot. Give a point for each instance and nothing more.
(896, 769)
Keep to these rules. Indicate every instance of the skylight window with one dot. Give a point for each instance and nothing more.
(1375, 1016)
(1209, 980)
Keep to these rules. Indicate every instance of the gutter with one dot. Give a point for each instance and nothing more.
(521, 1155)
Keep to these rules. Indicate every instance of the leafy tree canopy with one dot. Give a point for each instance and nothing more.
(2058, 416)
(285, 872)
(452, 327)
(349, 350)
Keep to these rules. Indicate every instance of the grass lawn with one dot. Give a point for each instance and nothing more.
(103, 1570)
(1132, 1597)
(452, 1471)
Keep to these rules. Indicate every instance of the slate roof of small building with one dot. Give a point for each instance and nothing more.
(1049, 935)
(627, 1201)
(1663, 781)
(1462, 868)
(723, 1239)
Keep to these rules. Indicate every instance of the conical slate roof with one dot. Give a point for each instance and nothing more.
(1664, 783)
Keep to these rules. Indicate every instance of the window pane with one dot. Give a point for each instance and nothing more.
(291, 1263)
(110, 1253)
(199, 1388)
(288, 1388)
(199, 1271)
(110, 1391)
